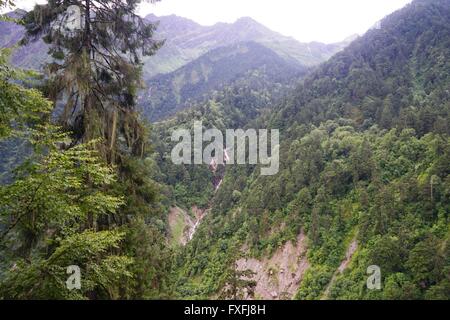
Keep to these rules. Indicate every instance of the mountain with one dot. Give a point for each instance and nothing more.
(31, 56)
(187, 40)
(256, 65)
(395, 75)
(197, 59)
(359, 209)
(363, 184)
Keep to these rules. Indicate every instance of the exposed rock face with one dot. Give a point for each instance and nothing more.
(279, 277)
(199, 214)
(183, 226)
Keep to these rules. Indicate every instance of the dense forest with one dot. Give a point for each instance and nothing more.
(86, 179)
(249, 63)
(82, 196)
(364, 166)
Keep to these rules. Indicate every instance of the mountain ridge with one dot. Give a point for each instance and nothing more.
(251, 62)
(195, 40)
(186, 41)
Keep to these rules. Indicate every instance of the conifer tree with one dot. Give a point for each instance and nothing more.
(97, 47)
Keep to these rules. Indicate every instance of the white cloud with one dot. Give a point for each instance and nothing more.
(28, 4)
(306, 20)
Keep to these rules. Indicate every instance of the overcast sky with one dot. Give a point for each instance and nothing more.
(306, 20)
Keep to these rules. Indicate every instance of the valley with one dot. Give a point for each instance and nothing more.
(327, 187)
(363, 177)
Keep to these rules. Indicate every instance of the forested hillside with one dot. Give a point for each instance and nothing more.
(195, 60)
(364, 174)
(364, 159)
(185, 41)
(250, 63)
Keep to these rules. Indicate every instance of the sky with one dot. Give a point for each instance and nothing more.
(305, 20)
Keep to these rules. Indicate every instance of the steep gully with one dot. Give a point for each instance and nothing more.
(278, 277)
(192, 223)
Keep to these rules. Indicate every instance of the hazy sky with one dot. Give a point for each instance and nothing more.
(306, 20)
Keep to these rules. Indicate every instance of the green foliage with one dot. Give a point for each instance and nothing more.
(63, 206)
(364, 159)
(314, 283)
(102, 272)
(152, 262)
(395, 76)
(364, 156)
(56, 194)
(377, 182)
(243, 67)
(19, 106)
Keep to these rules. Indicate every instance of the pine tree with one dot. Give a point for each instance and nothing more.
(96, 68)
(47, 214)
(65, 193)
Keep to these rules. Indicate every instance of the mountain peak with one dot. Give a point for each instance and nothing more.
(169, 18)
(16, 14)
(151, 16)
(247, 21)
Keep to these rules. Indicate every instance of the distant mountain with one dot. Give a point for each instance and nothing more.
(249, 63)
(187, 40)
(31, 56)
(197, 59)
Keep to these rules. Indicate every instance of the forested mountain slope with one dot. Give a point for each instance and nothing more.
(196, 60)
(397, 75)
(248, 62)
(365, 157)
(364, 162)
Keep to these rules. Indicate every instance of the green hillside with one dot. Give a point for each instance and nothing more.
(248, 62)
(364, 164)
